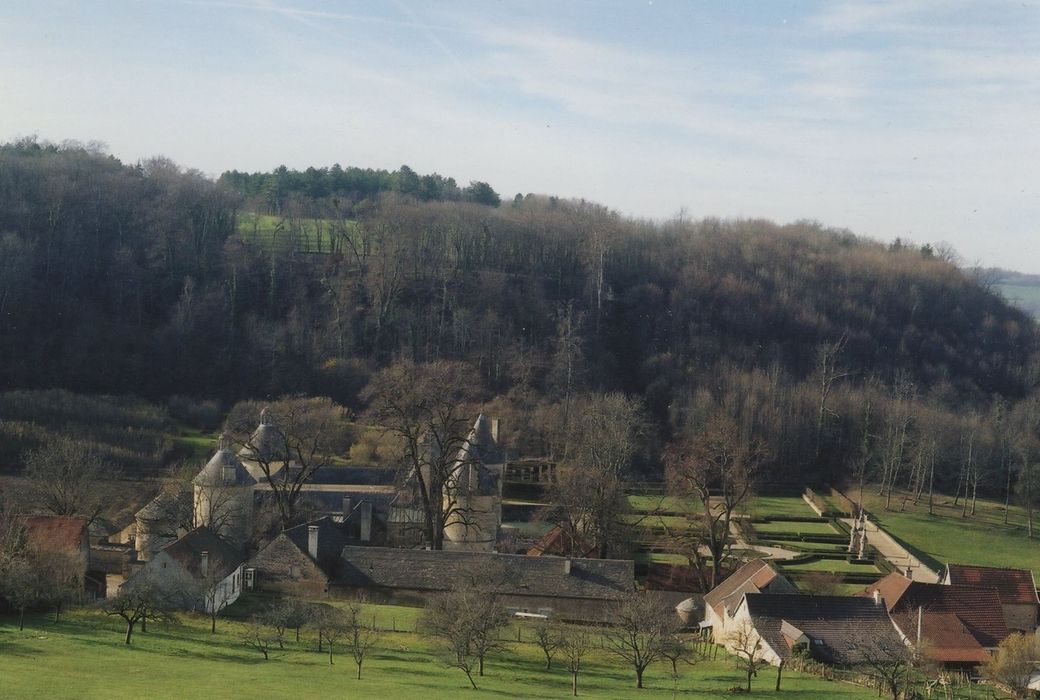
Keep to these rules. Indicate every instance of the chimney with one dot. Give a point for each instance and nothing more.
(877, 597)
(494, 429)
(204, 566)
(567, 567)
(346, 508)
(366, 521)
(312, 541)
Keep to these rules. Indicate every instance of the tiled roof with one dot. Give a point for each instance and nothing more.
(1014, 586)
(944, 637)
(513, 574)
(752, 577)
(223, 558)
(978, 608)
(559, 543)
(838, 627)
(54, 534)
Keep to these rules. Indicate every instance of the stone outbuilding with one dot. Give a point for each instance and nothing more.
(1015, 588)
(223, 496)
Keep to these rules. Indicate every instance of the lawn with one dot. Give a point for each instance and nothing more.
(946, 537)
(795, 528)
(662, 504)
(84, 657)
(840, 566)
(774, 506)
(671, 522)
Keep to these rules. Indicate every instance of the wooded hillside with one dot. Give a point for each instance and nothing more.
(139, 279)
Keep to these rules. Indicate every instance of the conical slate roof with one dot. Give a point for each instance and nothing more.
(224, 469)
(471, 461)
(266, 442)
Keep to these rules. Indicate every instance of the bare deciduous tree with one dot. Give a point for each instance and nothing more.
(68, 478)
(716, 470)
(745, 644)
(575, 644)
(259, 636)
(361, 638)
(426, 407)
(468, 620)
(140, 601)
(547, 637)
(640, 627)
(303, 435)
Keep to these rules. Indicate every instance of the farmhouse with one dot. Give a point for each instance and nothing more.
(300, 561)
(756, 576)
(957, 625)
(837, 630)
(62, 544)
(198, 571)
(1015, 587)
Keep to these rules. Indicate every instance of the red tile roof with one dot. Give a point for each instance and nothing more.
(558, 543)
(55, 534)
(751, 577)
(978, 608)
(944, 637)
(1014, 586)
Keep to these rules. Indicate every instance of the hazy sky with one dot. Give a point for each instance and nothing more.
(912, 118)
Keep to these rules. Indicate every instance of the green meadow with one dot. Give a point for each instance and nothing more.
(84, 657)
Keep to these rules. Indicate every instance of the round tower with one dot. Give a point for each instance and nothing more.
(223, 495)
(474, 491)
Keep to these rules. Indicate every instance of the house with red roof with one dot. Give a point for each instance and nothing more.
(756, 576)
(62, 543)
(955, 625)
(1015, 587)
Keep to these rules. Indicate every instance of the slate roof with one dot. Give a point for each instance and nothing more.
(470, 471)
(214, 474)
(223, 558)
(978, 608)
(330, 542)
(166, 507)
(266, 442)
(1014, 586)
(752, 577)
(514, 574)
(838, 627)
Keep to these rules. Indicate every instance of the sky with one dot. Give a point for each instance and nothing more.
(917, 119)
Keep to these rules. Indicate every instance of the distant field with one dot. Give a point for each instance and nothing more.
(84, 657)
(946, 537)
(301, 234)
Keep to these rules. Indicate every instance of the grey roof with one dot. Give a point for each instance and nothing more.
(425, 570)
(166, 507)
(330, 542)
(223, 558)
(214, 473)
(265, 443)
(839, 627)
(471, 470)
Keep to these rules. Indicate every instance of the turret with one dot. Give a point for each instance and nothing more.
(223, 495)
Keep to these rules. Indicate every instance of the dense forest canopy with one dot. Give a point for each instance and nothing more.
(139, 279)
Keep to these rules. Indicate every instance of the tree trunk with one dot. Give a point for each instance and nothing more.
(144, 625)
(297, 633)
(21, 619)
(330, 653)
(574, 683)
(480, 665)
(639, 678)
(129, 632)
(779, 672)
(359, 671)
(57, 612)
(750, 672)
(213, 623)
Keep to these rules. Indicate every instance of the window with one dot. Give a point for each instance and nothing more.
(250, 573)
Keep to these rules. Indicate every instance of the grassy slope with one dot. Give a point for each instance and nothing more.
(773, 506)
(84, 657)
(946, 537)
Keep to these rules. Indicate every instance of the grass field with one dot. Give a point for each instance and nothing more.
(773, 506)
(795, 528)
(84, 657)
(837, 566)
(303, 235)
(946, 537)
(661, 504)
